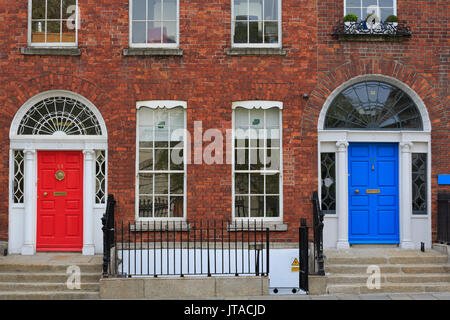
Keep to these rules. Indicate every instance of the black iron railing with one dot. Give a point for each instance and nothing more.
(361, 28)
(318, 264)
(443, 219)
(108, 233)
(176, 248)
(303, 256)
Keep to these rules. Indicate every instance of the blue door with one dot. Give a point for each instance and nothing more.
(373, 193)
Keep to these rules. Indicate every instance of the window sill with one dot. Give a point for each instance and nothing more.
(133, 52)
(50, 51)
(256, 52)
(143, 226)
(250, 226)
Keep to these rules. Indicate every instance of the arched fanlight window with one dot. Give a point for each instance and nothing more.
(373, 105)
(59, 116)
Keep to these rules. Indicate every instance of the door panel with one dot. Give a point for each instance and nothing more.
(373, 193)
(60, 201)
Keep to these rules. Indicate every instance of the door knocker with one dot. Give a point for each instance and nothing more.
(60, 175)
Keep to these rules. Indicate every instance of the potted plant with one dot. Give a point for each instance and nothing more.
(350, 21)
(391, 23)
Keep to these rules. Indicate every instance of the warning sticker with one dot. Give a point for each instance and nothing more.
(295, 266)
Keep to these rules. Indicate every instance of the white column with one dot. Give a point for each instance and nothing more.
(88, 207)
(405, 196)
(29, 183)
(342, 194)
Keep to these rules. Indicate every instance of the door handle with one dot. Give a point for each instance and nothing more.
(45, 194)
(356, 191)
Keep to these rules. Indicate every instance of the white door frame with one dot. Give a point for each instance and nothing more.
(413, 228)
(23, 217)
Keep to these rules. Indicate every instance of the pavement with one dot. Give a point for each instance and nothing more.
(384, 296)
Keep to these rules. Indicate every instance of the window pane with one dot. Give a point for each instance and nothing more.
(68, 32)
(170, 10)
(241, 160)
(353, 3)
(53, 9)
(53, 31)
(328, 182)
(145, 206)
(176, 159)
(368, 3)
(272, 206)
(257, 206)
(271, 10)
(256, 159)
(146, 184)
(154, 10)
(38, 31)
(386, 3)
(68, 9)
(256, 183)
(273, 183)
(255, 7)
(161, 159)
(154, 32)
(161, 207)
(161, 183)
(18, 190)
(145, 159)
(355, 11)
(38, 9)
(241, 183)
(139, 9)
(240, 32)
(169, 32)
(162, 126)
(241, 206)
(138, 32)
(176, 183)
(271, 32)
(255, 32)
(419, 183)
(273, 159)
(176, 207)
(385, 12)
(241, 9)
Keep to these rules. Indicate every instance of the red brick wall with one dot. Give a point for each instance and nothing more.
(209, 81)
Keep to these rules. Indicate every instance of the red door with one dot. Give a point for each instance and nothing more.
(60, 201)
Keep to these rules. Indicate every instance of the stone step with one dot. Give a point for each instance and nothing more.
(389, 288)
(389, 278)
(46, 295)
(387, 268)
(38, 277)
(14, 267)
(414, 259)
(47, 287)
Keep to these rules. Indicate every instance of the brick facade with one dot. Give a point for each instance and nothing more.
(209, 80)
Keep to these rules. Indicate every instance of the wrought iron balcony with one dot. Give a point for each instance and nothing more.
(378, 31)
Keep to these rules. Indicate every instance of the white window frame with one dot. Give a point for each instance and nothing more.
(258, 45)
(252, 105)
(52, 44)
(153, 45)
(160, 104)
(394, 4)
